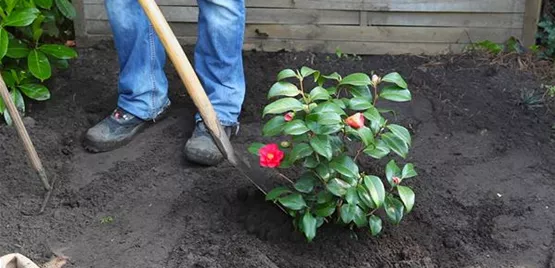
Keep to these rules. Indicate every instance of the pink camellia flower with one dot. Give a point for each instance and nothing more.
(289, 116)
(396, 180)
(355, 121)
(270, 155)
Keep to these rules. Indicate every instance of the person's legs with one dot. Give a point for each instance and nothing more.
(142, 85)
(219, 65)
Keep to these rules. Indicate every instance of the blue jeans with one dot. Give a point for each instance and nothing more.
(143, 85)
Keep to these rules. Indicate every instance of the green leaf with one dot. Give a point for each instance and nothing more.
(274, 126)
(283, 105)
(378, 150)
(293, 201)
(319, 93)
(7, 117)
(345, 166)
(396, 144)
(407, 196)
(364, 196)
(309, 226)
(401, 132)
(21, 17)
(325, 209)
(61, 64)
(39, 65)
(306, 71)
(340, 103)
(255, 147)
(396, 94)
(18, 101)
(66, 8)
(2, 106)
(58, 51)
(283, 89)
(348, 213)
(396, 79)
(338, 187)
(295, 127)
(373, 114)
(276, 193)
(329, 107)
(392, 170)
(46, 4)
(4, 41)
(328, 118)
(366, 135)
(394, 209)
(359, 104)
(408, 171)
(375, 223)
(17, 49)
(351, 196)
(300, 151)
(334, 76)
(376, 189)
(305, 184)
(35, 91)
(321, 145)
(360, 217)
(356, 79)
(310, 161)
(286, 73)
(361, 92)
(324, 197)
(323, 172)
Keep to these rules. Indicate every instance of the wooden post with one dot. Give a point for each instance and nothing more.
(531, 19)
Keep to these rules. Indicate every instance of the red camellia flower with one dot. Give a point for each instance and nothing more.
(288, 116)
(396, 180)
(355, 121)
(270, 156)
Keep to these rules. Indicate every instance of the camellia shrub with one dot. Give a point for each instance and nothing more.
(326, 124)
(28, 32)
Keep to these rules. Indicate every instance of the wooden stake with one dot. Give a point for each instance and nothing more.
(28, 144)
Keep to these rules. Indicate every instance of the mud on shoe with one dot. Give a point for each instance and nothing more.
(117, 130)
(202, 149)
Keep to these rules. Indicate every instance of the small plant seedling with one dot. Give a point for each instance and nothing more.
(318, 117)
(106, 220)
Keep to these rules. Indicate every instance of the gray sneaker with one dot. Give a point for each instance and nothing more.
(117, 130)
(201, 149)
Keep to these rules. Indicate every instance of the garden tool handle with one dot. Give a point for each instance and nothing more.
(189, 77)
(29, 148)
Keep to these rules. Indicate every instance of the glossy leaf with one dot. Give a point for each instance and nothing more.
(321, 145)
(334, 76)
(347, 213)
(361, 92)
(394, 209)
(319, 93)
(283, 105)
(21, 17)
(329, 107)
(338, 187)
(306, 183)
(300, 151)
(396, 79)
(58, 51)
(35, 91)
(255, 147)
(407, 196)
(325, 209)
(4, 41)
(295, 127)
(323, 172)
(39, 65)
(306, 71)
(392, 170)
(378, 150)
(366, 135)
(66, 8)
(345, 166)
(17, 49)
(46, 4)
(310, 161)
(360, 218)
(277, 193)
(309, 226)
(376, 189)
(293, 201)
(18, 101)
(356, 79)
(375, 224)
(286, 73)
(274, 126)
(328, 118)
(364, 196)
(408, 171)
(359, 104)
(401, 132)
(324, 197)
(352, 196)
(279, 89)
(395, 94)
(396, 144)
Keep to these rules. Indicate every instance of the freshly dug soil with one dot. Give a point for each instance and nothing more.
(485, 193)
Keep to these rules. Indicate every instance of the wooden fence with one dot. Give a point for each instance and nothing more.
(353, 26)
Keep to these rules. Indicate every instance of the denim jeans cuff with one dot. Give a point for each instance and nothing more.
(224, 123)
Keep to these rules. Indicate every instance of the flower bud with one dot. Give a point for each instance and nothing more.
(376, 80)
(355, 121)
(396, 180)
(285, 144)
(289, 116)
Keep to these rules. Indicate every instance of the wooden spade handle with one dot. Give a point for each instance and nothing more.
(31, 152)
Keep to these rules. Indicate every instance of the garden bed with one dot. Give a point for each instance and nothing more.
(484, 194)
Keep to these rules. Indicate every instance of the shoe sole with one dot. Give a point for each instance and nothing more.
(99, 147)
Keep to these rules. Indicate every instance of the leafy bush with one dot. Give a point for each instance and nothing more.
(28, 30)
(321, 126)
(546, 35)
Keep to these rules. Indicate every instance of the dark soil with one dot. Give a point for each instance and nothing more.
(485, 194)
